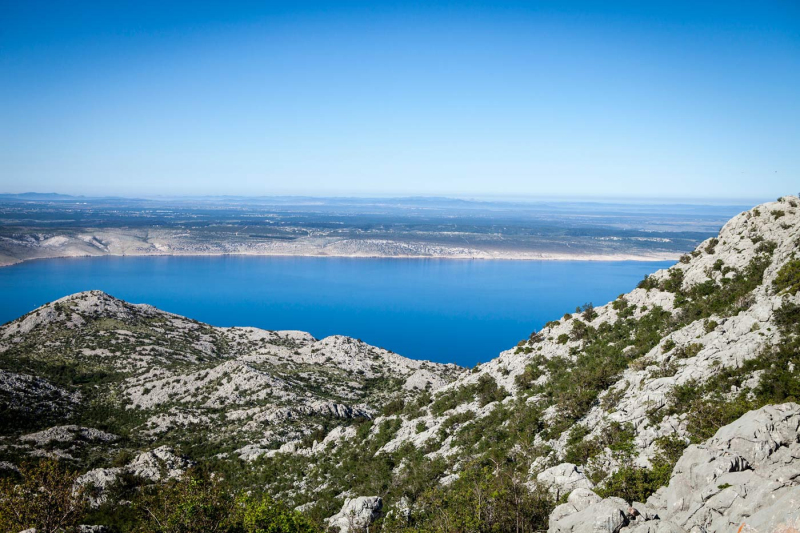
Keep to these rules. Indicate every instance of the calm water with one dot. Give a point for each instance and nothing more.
(444, 310)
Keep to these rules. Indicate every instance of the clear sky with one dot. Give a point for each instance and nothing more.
(598, 98)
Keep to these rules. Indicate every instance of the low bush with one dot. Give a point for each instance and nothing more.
(788, 278)
(41, 497)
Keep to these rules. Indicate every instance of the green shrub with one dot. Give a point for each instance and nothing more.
(580, 330)
(649, 282)
(587, 311)
(43, 498)
(674, 282)
(393, 407)
(664, 370)
(485, 498)
(193, 503)
(637, 484)
(619, 304)
(264, 515)
(532, 372)
(488, 391)
(766, 247)
(788, 278)
(580, 449)
(690, 350)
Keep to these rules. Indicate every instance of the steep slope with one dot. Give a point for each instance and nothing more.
(605, 397)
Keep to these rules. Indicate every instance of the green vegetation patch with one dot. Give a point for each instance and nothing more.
(788, 278)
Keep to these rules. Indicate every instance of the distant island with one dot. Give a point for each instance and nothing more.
(41, 225)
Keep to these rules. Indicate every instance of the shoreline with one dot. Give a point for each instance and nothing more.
(8, 261)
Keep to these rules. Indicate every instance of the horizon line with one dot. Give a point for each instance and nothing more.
(466, 197)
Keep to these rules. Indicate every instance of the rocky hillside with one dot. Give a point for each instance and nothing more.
(662, 396)
(604, 398)
(157, 378)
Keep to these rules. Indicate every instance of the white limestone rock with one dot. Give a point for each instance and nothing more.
(742, 471)
(160, 464)
(357, 514)
(746, 477)
(564, 478)
(68, 434)
(609, 516)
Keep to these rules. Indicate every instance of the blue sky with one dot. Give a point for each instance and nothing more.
(621, 99)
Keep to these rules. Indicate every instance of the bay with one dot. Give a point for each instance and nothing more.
(450, 311)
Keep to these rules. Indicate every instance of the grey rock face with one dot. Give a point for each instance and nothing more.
(356, 514)
(783, 515)
(34, 395)
(68, 434)
(743, 471)
(564, 478)
(747, 476)
(608, 516)
(160, 464)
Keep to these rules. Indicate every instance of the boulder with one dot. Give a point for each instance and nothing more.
(564, 478)
(68, 434)
(578, 500)
(607, 516)
(582, 498)
(356, 514)
(159, 464)
(745, 478)
(742, 473)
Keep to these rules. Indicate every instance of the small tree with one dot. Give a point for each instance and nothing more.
(44, 498)
(587, 311)
(268, 516)
(193, 503)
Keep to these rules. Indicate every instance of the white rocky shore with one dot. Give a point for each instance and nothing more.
(89, 242)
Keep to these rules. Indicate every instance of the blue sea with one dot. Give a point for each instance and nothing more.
(450, 311)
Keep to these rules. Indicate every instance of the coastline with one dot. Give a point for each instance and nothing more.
(7, 261)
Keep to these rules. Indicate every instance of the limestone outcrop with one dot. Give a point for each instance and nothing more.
(745, 478)
(357, 514)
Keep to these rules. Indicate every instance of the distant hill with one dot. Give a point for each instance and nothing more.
(38, 197)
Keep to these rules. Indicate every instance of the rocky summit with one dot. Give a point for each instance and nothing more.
(673, 408)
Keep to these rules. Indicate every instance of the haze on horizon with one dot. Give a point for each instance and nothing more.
(470, 99)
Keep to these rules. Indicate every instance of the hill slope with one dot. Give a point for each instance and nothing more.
(159, 378)
(608, 397)
(594, 411)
